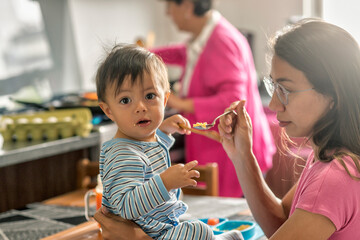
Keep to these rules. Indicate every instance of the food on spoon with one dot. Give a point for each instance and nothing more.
(202, 125)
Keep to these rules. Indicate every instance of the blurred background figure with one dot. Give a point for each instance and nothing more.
(218, 69)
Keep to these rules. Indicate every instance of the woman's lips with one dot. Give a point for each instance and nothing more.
(283, 123)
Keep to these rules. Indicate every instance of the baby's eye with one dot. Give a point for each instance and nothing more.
(125, 100)
(150, 96)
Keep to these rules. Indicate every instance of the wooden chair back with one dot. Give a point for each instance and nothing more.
(208, 182)
(87, 172)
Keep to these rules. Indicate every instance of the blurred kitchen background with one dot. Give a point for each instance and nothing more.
(51, 48)
(49, 53)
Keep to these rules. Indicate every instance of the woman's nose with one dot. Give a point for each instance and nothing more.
(275, 104)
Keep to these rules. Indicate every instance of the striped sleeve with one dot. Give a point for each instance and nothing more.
(167, 140)
(125, 191)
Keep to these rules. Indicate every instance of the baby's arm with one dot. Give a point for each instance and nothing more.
(126, 193)
(180, 175)
(170, 125)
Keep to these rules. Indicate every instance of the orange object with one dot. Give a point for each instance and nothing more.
(243, 227)
(98, 197)
(140, 42)
(90, 96)
(213, 221)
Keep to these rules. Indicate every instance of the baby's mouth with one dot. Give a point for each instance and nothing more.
(143, 122)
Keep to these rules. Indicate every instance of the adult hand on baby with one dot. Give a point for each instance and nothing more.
(180, 175)
(116, 228)
(171, 125)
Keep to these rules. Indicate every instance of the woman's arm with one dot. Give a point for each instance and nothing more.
(185, 105)
(268, 210)
(305, 225)
(172, 55)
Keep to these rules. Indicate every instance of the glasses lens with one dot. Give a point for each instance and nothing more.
(269, 86)
(282, 94)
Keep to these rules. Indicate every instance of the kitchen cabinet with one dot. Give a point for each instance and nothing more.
(32, 172)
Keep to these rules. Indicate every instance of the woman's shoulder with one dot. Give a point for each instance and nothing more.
(334, 177)
(225, 33)
(344, 164)
(326, 188)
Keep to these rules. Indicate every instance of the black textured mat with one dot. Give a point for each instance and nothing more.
(37, 221)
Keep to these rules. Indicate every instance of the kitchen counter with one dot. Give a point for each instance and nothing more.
(19, 152)
(35, 171)
(38, 170)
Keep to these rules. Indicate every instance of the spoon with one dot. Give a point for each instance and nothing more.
(206, 126)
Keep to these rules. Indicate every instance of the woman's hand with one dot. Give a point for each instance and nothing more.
(180, 175)
(171, 125)
(116, 228)
(236, 131)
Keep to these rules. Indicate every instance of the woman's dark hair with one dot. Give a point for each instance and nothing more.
(330, 59)
(200, 6)
(128, 60)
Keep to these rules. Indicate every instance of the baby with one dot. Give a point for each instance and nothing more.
(139, 183)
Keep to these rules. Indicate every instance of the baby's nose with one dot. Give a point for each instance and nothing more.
(140, 107)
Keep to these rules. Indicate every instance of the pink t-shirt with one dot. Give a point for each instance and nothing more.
(327, 189)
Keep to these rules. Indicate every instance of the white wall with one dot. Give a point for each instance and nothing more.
(97, 23)
(263, 18)
(343, 13)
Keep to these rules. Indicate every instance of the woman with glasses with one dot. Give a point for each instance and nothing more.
(314, 86)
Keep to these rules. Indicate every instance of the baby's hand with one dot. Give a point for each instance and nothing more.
(180, 175)
(171, 125)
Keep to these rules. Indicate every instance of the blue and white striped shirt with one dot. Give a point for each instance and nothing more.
(132, 187)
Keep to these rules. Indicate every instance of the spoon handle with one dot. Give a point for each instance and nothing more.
(210, 133)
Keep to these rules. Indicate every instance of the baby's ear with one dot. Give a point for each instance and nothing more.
(166, 98)
(106, 109)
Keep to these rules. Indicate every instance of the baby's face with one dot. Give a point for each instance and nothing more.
(138, 109)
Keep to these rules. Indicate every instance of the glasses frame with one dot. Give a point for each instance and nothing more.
(280, 90)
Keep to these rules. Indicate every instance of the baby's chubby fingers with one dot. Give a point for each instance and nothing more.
(191, 182)
(171, 125)
(194, 174)
(185, 122)
(191, 165)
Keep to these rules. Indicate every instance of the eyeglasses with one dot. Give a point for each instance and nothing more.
(281, 92)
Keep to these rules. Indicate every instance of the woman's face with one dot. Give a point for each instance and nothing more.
(178, 13)
(305, 108)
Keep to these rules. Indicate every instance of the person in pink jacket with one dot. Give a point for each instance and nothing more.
(218, 69)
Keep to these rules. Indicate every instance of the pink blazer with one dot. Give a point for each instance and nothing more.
(224, 73)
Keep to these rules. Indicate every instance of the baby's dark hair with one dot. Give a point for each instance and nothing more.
(128, 60)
